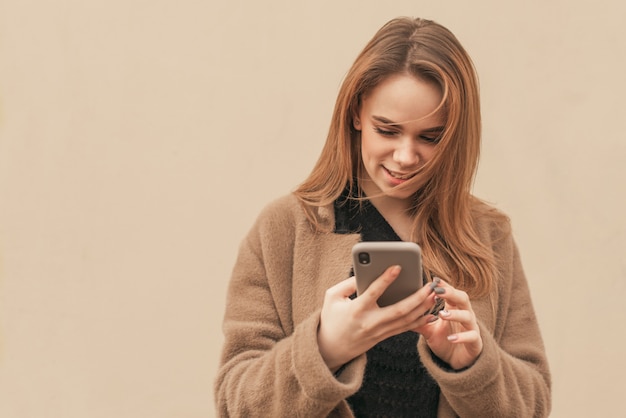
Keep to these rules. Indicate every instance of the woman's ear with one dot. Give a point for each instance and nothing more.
(356, 122)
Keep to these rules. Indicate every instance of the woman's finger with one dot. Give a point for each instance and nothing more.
(466, 318)
(465, 337)
(343, 289)
(414, 325)
(453, 296)
(378, 286)
(416, 305)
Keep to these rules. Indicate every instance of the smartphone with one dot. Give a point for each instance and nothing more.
(372, 258)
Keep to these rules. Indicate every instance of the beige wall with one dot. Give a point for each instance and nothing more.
(139, 139)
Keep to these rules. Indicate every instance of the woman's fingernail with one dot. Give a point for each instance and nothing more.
(453, 337)
(396, 268)
(433, 319)
(440, 291)
(444, 313)
(435, 282)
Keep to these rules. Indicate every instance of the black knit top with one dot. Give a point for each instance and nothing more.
(395, 384)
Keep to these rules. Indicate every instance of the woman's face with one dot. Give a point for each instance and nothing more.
(399, 133)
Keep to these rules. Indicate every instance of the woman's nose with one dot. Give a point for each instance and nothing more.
(405, 154)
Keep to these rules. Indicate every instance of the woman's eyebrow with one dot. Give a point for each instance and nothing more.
(436, 129)
(382, 119)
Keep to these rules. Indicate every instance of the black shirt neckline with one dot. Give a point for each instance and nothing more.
(357, 215)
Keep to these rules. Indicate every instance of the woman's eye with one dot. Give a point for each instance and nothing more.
(431, 139)
(384, 132)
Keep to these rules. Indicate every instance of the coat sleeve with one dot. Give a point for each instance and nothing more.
(511, 377)
(266, 369)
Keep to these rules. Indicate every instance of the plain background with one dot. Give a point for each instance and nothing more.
(139, 140)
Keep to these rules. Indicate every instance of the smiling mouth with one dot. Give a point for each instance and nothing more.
(399, 176)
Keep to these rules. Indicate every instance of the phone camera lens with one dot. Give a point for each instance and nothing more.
(364, 258)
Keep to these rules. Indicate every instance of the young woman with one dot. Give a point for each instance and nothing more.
(398, 164)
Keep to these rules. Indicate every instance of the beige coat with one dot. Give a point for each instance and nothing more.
(271, 365)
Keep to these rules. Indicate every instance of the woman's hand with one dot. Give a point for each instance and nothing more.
(350, 327)
(455, 338)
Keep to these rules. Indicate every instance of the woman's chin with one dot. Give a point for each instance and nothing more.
(399, 193)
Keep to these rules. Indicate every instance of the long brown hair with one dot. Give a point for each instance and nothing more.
(443, 220)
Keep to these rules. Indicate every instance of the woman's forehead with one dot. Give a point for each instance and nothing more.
(404, 99)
